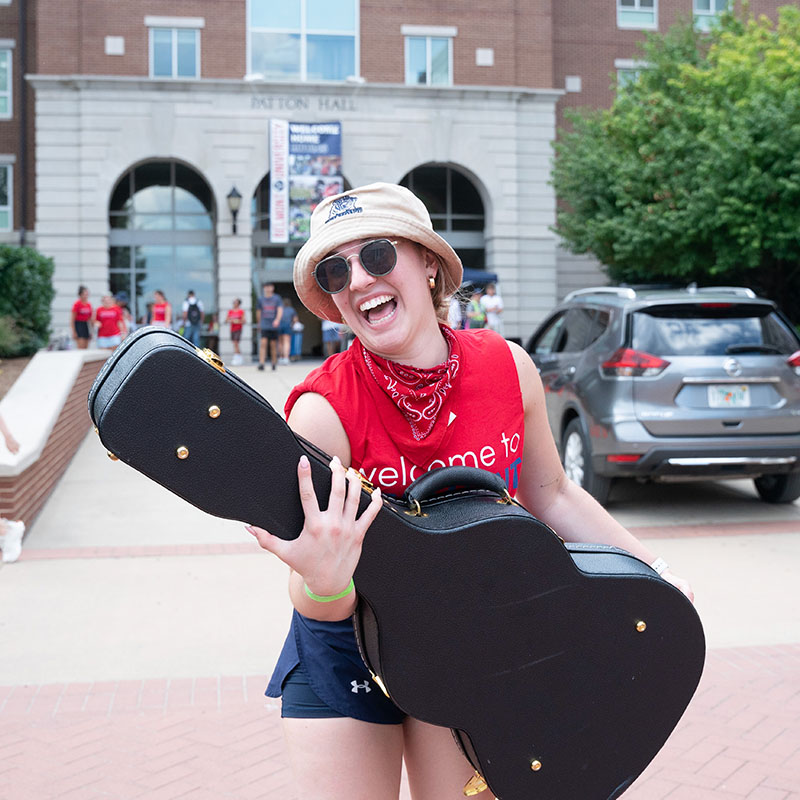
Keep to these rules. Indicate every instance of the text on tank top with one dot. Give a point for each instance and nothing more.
(481, 423)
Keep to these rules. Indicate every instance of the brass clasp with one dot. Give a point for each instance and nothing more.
(381, 684)
(475, 785)
(414, 508)
(211, 357)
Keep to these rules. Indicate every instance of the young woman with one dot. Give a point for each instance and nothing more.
(81, 316)
(161, 310)
(236, 320)
(110, 322)
(409, 387)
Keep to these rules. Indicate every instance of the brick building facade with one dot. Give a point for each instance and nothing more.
(128, 98)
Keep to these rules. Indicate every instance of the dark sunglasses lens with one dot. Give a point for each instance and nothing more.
(332, 274)
(379, 257)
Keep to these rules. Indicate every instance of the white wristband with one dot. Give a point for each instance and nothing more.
(660, 566)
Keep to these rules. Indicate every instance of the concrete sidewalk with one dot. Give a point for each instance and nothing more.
(137, 634)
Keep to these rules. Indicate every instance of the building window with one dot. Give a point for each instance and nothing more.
(162, 219)
(455, 207)
(174, 53)
(637, 14)
(429, 55)
(706, 12)
(303, 40)
(429, 61)
(6, 198)
(628, 71)
(6, 109)
(626, 77)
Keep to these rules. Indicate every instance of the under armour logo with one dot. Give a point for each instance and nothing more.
(356, 686)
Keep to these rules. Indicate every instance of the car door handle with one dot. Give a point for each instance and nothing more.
(570, 371)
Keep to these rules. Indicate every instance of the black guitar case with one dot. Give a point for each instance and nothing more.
(561, 669)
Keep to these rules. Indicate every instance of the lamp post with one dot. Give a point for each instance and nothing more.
(234, 204)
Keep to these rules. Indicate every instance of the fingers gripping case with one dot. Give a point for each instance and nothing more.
(561, 670)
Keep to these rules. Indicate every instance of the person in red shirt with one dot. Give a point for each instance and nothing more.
(409, 395)
(80, 318)
(110, 323)
(161, 310)
(236, 320)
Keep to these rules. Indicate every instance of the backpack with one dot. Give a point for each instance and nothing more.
(194, 314)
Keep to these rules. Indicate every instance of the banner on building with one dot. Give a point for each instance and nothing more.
(279, 180)
(305, 168)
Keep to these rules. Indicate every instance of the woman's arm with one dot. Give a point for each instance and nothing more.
(168, 315)
(11, 443)
(324, 557)
(545, 490)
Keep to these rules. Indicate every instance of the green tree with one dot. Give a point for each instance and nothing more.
(26, 291)
(693, 174)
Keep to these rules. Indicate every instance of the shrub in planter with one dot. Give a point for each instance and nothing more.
(26, 292)
(9, 336)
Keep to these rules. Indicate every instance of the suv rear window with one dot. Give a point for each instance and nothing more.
(691, 329)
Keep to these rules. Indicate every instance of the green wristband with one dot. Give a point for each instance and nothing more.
(329, 598)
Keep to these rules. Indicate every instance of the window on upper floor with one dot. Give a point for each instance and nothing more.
(303, 40)
(637, 14)
(6, 108)
(6, 197)
(628, 71)
(428, 60)
(174, 53)
(428, 55)
(706, 12)
(625, 77)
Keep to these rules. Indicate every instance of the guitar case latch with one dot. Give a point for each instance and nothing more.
(475, 785)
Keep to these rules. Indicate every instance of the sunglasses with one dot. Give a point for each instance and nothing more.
(378, 258)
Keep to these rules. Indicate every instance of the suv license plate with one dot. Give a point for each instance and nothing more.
(727, 395)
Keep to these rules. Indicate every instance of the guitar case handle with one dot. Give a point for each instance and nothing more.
(452, 479)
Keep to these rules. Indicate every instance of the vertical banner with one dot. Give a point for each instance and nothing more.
(315, 171)
(279, 181)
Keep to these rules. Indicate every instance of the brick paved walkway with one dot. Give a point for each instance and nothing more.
(220, 738)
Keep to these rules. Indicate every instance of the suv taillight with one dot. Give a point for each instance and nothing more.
(628, 363)
(794, 362)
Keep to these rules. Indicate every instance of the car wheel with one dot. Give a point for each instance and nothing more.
(576, 455)
(778, 488)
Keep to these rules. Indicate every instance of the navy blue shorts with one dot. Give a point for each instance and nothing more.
(299, 701)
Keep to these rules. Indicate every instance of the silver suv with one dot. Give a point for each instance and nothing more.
(674, 384)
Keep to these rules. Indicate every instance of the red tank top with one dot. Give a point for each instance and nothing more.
(82, 311)
(109, 319)
(481, 423)
(159, 313)
(236, 318)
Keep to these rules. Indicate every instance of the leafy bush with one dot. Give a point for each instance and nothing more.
(26, 292)
(9, 336)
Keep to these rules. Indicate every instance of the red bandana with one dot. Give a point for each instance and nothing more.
(418, 393)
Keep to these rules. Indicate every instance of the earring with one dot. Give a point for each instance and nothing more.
(432, 282)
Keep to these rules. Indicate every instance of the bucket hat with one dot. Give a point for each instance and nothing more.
(379, 209)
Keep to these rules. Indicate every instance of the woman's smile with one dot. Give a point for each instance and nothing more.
(378, 310)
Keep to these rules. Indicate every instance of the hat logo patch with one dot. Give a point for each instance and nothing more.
(343, 206)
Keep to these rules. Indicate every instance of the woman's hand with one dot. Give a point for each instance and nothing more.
(678, 583)
(328, 548)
